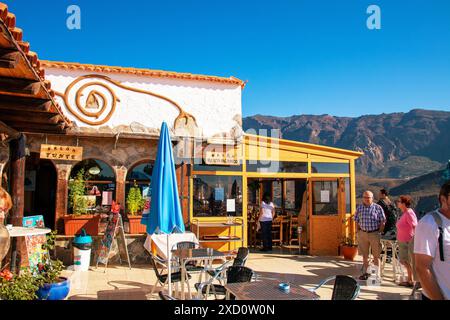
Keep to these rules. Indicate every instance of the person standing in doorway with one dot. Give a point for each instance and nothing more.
(266, 215)
(370, 221)
(406, 226)
(432, 249)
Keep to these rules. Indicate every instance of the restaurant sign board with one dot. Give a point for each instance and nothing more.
(221, 158)
(55, 152)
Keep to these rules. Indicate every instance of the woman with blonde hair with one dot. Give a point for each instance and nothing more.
(5, 204)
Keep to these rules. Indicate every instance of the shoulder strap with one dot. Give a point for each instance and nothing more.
(438, 221)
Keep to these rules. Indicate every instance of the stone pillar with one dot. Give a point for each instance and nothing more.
(121, 176)
(62, 199)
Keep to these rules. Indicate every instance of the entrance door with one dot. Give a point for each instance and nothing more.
(40, 189)
(326, 210)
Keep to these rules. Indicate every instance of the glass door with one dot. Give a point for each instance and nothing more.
(326, 209)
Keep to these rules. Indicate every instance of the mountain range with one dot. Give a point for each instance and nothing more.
(403, 152)
(395, 145)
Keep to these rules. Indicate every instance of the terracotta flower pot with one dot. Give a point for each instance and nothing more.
(135, 225)
(349, 252)
(74, 224)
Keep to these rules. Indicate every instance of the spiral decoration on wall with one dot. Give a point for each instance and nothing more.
(101, 101)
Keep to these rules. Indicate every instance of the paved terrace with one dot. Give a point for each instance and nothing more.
(121, 283)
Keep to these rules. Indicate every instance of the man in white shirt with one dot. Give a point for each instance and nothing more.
(432, 250)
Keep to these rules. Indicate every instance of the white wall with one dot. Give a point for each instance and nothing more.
(215, 106)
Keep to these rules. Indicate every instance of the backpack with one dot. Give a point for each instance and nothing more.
(392, 213)
(438, 221)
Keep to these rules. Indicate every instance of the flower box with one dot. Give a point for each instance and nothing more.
(73, 224)
(135, 225)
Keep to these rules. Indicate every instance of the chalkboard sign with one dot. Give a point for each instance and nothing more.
(113, 229)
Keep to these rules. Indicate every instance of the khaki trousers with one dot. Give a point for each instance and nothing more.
(367, 241)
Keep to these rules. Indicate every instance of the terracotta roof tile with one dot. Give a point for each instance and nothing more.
(9, 19)
(143, 72)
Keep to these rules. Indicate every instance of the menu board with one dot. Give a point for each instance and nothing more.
(113, 229)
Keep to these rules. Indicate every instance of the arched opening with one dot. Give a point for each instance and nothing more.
(141, 174)
(40, 189)
(100, 182)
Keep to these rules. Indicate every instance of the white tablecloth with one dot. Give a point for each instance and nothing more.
(160, 241)
(26, 231)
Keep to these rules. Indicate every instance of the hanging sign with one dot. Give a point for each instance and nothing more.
(55, 152)
(221, 158)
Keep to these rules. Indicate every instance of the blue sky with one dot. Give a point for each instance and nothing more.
(299, 56)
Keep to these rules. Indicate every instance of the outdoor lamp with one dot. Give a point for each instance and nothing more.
(94, 170)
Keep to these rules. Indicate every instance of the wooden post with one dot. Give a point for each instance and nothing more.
(62, 186)
(18, 159)
(121, 176)
(17, 179)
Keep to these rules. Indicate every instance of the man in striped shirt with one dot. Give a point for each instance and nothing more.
(370, 221)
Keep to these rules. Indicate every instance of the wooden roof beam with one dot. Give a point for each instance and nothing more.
(10, 132)
(46, 118)
(20, 85)
(36, 127)
(9, 58)
(30, 106)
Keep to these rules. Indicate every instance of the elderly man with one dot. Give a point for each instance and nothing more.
(370, 221)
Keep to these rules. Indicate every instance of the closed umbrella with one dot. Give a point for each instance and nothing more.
(165, 211)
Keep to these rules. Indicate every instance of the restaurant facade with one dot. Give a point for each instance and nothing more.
(108, 126)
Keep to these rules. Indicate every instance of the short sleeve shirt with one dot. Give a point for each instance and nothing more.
(369, 218)
(426, 242)
(266, 211)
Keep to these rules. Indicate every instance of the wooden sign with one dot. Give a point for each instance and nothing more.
(221, 158)
(55, 152)
(113, 229)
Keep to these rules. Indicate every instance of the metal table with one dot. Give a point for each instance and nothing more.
(267, 289)
(201, 254)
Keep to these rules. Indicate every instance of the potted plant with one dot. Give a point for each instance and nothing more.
(135, 204)
(79, 219)
(349, 249)
(48, 276)
(17, 287)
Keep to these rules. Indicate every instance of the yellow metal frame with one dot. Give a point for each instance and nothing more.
(314, 153)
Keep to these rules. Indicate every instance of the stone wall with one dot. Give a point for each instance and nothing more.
(121, 153)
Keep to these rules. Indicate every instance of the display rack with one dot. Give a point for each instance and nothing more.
(231, 237)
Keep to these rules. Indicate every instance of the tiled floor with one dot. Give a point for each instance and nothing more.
(119, 282)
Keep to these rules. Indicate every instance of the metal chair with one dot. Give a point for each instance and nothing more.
(191, 266)
(161, 278)
(239, 260)
(345, 287)
(234, 274)
(164, 296)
